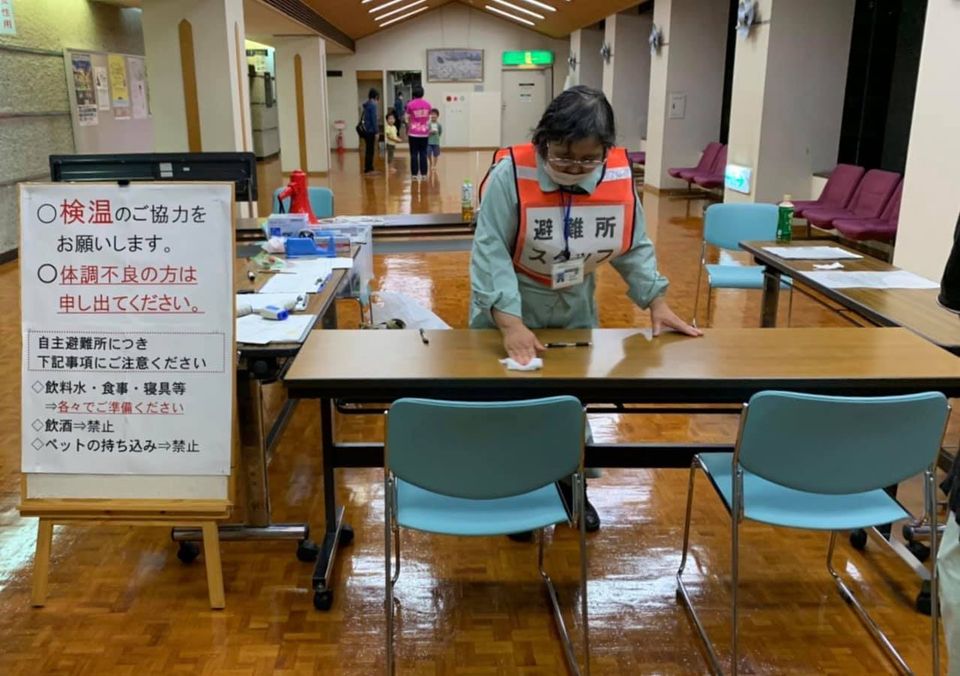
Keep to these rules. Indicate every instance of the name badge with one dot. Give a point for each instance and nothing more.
(566, 273)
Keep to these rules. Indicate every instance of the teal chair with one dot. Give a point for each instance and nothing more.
(460, 468)
(321, 201)
(724, 227)
(821, 463)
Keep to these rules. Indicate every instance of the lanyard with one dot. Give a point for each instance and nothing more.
(567, 206)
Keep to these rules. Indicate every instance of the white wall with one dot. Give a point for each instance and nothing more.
(221, 70)
(585, 43)
(691, 63)
(931, 194)
(403, 47)
(626, 78)
(789, 82)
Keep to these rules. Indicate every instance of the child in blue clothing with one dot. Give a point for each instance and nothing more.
(433, 141)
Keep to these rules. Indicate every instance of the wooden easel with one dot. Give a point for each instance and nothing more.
(202, 513)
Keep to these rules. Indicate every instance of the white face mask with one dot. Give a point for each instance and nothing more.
(563, 178)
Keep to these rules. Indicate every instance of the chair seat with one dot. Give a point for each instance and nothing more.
(823, 217)
(800, 206)
(434, 513)
(781, 506)
(738, 277)
(708, 180)
(866, 228)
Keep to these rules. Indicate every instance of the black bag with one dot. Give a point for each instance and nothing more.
(361, 128)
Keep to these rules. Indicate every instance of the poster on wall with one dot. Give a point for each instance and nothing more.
(454, 65)
(102, 86)
(119, 92)
(8, 26)
(128, 328)
(84, 90)
(138, 87)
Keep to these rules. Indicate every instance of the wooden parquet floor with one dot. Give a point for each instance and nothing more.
(121, 603)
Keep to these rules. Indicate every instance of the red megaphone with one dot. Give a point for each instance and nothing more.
(299, 195)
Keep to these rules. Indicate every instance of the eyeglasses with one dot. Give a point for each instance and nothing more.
(580, 164)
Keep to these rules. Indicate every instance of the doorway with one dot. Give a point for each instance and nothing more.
(524, 96)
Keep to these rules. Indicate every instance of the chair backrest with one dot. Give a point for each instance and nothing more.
(836, 445)
(726, 225)
(484, 450)
(709, 156)
(891, 212)
(719, 162)
(873, 193)
(841, 185)
(321, 201)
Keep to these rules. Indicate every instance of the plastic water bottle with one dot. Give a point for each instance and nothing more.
(466, 201)
(785, 220)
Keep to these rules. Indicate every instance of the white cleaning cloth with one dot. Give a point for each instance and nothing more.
(534, 364)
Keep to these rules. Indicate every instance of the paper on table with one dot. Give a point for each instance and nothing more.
(255, 330)
(810, 253)
(296, 282)
(261, 300)
(366, 220)
(534, 364)
(320, 265)
(836, 265)
(894, 279)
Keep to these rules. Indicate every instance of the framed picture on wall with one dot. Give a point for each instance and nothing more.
(454, 65)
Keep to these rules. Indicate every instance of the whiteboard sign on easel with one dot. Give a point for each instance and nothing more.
(127, 321)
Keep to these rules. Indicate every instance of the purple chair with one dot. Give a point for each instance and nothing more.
(637, 157)
(869, 199)
(882, 229)
(836, 193)
(714, 177)
(706, 163)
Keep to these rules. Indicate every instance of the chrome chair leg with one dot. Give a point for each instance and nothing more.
(930, 490)
(557, 613)
(388, 530)
(864, 616)
(696, 293)
(736, 514)
(682, 594)
(585, 624)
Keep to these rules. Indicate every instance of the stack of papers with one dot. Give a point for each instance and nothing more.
(255, 330)
(258, 301)
(891, 279)
(810, 253)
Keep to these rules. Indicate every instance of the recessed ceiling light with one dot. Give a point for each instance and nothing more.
(373, 10)
(541, 5)
(518, 9)
(403, 16)
(400, 9)
(508, 15)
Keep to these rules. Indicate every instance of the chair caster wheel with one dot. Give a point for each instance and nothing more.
(307, 551)
(922, 603)
(919, 550)
(323, 600)
(858, 539)
(188, 551)
(346, 535)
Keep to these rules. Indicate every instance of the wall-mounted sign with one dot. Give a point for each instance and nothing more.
(737, 178)
(8, 26)
(536, 57)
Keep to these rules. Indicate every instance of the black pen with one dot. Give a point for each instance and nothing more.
(423, 337)
(576, 344)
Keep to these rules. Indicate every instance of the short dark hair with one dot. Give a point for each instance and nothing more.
(417, 91)
(434, 110)
(373, 94)
(390, 114)
(578, 113)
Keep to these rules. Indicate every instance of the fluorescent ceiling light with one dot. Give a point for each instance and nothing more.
(403, 16)
(508, 15)
(540, 5)
(518, 9)
(400, 9)
(374, 10)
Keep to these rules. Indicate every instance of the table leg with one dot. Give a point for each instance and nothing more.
(771, 298)
(336, 532)
(257, 523)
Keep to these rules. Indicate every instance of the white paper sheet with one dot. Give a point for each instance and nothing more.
(261, 300)
(320, 265)
(534, 364)
(811, 253)
(255, 330)
(294, 282)
(896, 279)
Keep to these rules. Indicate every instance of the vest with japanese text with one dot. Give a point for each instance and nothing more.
(600, 225)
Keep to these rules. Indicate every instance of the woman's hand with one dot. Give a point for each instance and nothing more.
(520, 342)
(661, 316)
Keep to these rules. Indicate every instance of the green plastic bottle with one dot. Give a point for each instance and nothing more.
(785, 220)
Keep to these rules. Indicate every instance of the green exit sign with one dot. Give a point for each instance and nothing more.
(537, 57)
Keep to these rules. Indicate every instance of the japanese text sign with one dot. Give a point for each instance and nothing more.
(127, 321)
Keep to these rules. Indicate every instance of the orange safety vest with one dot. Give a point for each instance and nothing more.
(599, 226)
